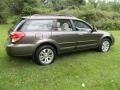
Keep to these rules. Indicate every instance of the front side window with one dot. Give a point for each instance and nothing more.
(40, 25)
(81, 26)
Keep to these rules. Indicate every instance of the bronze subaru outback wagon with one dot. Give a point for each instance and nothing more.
(45, 36)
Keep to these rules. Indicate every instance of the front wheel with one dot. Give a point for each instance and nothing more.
(105, 45)
(45, 55)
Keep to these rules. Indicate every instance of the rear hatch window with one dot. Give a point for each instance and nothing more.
(16, 26)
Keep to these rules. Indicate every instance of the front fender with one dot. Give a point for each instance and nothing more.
(109, 36)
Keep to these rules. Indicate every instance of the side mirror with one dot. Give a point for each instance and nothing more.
(94, 29)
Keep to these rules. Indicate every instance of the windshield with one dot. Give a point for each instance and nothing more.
(40, 25)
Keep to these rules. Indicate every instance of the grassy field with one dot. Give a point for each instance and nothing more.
(87, 70)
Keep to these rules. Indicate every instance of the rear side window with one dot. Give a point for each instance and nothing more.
(64, 25)
(39, 25)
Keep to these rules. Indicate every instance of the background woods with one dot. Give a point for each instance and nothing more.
(102, 14)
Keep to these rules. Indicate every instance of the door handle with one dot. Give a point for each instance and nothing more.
(80, 34)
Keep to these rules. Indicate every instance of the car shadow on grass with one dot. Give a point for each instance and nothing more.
(21, 60)
(29, 60)
(75, 53)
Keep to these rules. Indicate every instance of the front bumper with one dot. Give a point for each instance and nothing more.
(112, 40)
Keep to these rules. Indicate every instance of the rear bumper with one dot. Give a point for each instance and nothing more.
(19, 50)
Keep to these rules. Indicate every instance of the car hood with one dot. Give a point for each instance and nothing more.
(102, 32)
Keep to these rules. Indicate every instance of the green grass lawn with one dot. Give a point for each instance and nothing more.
(86, 70)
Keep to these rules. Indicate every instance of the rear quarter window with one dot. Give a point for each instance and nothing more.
(39, 25)
(16, 26)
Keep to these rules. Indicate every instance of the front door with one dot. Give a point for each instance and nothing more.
(85, 37)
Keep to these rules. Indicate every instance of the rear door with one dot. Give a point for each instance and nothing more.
(37, 30)
(64, 35)
(85, 37)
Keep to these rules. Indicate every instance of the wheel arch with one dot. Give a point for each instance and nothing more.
(105, 37)
(47, 43)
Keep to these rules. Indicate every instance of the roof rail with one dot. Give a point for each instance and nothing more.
(52, 15)
(65, 15)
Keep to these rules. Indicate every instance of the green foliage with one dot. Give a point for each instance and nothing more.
(94, 3)
(62, 4)
(76, 3)
(102, 15)
(15, 6)
(57, 5)
(100, 19)
(1, 5)
(31, 2)
(108, 24)
(3, 18)
(114, 6)
(21, 6)
(44, 10)
(28, 10)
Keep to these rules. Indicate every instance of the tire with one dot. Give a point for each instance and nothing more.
(45, 55)
(105, 45)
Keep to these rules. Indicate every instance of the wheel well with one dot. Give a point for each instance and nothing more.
(47, 43)
(108, 38)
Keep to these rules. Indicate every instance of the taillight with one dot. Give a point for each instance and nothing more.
(15, 36)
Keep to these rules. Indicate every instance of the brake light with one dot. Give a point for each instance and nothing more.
(15, 36)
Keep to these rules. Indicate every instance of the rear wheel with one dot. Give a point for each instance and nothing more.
(45, 55)
(105, 45)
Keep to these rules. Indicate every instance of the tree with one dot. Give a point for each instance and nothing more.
(94, 3)
(15, 6)
(2, 13)
(76, 3)
(57, 4)
(31, 2)
(116, 6)
(1, 5)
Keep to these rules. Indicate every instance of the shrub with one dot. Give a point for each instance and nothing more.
(100, 19)
(108, 24)
(15, 6)
(28, 10)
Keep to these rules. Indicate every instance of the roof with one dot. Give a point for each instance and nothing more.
(36, 16)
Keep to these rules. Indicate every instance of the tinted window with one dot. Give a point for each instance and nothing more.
(41, 25)
(81, 26)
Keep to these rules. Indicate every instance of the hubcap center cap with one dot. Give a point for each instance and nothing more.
(45, 55)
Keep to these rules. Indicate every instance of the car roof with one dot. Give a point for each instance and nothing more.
(37, 16)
